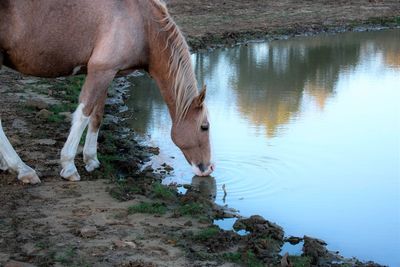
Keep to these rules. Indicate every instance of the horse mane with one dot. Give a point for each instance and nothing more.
(180, 65)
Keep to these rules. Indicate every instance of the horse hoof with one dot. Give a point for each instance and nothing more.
(72, 178)
(29, 178)
(92, 164)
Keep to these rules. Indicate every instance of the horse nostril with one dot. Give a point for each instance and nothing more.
(212, 167)
(201, 167)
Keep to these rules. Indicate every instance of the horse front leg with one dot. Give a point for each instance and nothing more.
(90, 148)
(9, 159)
(79, 123)
(94, 89)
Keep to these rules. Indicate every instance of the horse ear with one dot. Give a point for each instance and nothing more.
(202, 96)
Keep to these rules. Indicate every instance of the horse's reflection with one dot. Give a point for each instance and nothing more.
(205, 187)
(204, 190)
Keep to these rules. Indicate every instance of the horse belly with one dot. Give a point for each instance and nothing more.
(44, 63)
(49, 38)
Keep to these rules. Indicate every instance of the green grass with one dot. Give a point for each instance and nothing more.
(247, 259)
(206, 233)
(64, 107)
(149, 208)
(384, 21)
(300, 261)
(72, 86)
(57, 118)
(163, 192)
(191, 209)
(106, 162)
(42, 245)
(235, 257)
(122, 189)
(67, 257)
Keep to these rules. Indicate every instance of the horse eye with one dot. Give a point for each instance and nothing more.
(205, 127)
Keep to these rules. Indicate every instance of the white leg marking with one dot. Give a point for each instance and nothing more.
(90, 150)
(3, 163)
(68, 152)
(9, 159)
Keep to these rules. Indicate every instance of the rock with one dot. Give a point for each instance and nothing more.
(88, 232)
(285, 262)
(36, 103)
(110, 119)
(265, 238)
(124, 244)
(315, 249)
(47, 142)
(153, 150)
(293, 240)
(167, 167)
(20, 125)
(66, 115)
(258, 225)
(4, 257)
(44, 114)
(29, 249)
(148, 168)
(18, 264)
(29, 81)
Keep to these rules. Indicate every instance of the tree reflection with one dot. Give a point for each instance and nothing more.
(271, 79)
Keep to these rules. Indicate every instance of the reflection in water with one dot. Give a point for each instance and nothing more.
(206, 186)
(283, 72)
(306, 133)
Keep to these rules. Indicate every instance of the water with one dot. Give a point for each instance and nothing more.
(305, 132)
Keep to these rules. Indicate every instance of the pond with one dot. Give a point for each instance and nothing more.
(305, 132)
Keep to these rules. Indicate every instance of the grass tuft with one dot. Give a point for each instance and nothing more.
(150, 208)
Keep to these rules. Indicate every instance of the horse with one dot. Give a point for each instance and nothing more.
(103, 38)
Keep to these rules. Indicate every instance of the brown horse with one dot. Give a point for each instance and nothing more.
(51, 38)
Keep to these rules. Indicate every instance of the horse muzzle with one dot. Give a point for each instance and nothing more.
(202, 169)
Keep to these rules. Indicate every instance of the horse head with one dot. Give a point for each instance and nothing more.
(192, 135)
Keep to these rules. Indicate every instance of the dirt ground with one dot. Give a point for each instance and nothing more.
(208, 23)
(59, 223)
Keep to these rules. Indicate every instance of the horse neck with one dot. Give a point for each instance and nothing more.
(171, 67)
(158, 69)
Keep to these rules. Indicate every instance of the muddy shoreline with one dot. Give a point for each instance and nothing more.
(121, 215)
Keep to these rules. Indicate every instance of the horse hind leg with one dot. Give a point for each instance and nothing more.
(9, 159)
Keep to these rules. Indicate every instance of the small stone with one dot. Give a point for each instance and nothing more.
(29, 249)
(18, 264)
(188, 186)
(20, 125)
(46, 142)
(124, 244)
(167, 167)
(285, 262)
(188, 223)
(4, 257)
(88, 232)
(293, 240)
(44, 114)
(66, 115)
(148, 168)
(36, 103)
